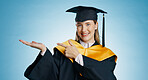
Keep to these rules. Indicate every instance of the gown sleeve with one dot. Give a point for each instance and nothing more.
(96, 70)
(43, 68)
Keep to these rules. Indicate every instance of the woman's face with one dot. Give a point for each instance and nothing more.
(86, 30)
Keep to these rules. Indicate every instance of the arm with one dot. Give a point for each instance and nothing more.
(97, 70)
(43, 68)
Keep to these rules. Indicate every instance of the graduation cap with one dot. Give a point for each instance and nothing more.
(84, 13)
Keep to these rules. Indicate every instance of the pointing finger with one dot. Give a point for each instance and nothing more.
(70, 43)
(63, 45)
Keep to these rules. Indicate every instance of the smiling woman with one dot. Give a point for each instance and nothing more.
(91, 26)
(80, 59)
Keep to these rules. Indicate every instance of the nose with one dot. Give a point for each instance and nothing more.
(84, 29)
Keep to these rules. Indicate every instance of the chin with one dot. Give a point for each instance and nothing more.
(85, 39)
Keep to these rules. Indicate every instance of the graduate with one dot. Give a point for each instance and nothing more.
(81, 59)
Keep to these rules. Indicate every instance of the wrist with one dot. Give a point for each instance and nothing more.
(44, 49)
(76, 55)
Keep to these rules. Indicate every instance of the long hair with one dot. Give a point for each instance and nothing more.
(96, 35)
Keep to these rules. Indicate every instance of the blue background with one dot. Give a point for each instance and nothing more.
(47, 22)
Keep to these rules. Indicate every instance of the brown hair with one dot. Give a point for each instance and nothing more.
(96, 35)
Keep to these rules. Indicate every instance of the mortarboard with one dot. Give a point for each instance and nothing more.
(84, 13)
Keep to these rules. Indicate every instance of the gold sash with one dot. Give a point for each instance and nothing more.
(96, 52)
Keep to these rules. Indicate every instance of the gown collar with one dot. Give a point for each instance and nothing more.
(95, 43)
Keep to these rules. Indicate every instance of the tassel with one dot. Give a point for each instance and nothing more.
(103, 32)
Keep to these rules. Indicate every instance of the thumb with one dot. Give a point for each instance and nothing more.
(70, 43)
(34, 42)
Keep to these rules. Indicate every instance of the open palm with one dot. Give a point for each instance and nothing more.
(34, 44)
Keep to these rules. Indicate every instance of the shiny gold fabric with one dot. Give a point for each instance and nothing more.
(96, 52)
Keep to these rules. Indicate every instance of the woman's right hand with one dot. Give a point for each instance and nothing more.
(34, 44)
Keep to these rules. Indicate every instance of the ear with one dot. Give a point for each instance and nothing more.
(96, 25)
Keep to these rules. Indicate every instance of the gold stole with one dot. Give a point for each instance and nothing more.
(96, 52)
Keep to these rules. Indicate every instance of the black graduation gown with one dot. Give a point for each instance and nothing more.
(59, 67)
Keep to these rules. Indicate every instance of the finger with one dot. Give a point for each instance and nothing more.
(70, 43)
(25, 42)
(20, 40)
(63, 45)
(34, 42)
(65, 52)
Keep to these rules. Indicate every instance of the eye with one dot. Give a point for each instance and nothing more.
(88, 24)
(79, 25)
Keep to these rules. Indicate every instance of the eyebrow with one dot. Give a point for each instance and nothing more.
(81, 23)
(87, 22)
(78, 23)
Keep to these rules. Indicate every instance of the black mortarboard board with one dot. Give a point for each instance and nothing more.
(84, 13)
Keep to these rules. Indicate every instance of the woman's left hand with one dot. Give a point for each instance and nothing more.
(70, 51)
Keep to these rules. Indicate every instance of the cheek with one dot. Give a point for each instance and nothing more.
(91, 29)
(79, 29)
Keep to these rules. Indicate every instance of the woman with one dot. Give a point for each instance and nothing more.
(80, 59)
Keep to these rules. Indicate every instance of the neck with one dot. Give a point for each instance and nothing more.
(90, 41)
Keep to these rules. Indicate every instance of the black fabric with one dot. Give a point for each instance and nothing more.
(42, 67)
(97, 70)
(84, 13)
(59, 67)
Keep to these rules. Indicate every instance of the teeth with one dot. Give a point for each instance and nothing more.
(84, 34)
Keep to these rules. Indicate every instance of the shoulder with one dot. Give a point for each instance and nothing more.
(113, 55)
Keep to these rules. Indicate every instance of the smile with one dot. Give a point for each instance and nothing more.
(84, 35)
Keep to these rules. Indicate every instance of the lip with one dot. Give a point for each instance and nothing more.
(85, 35)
